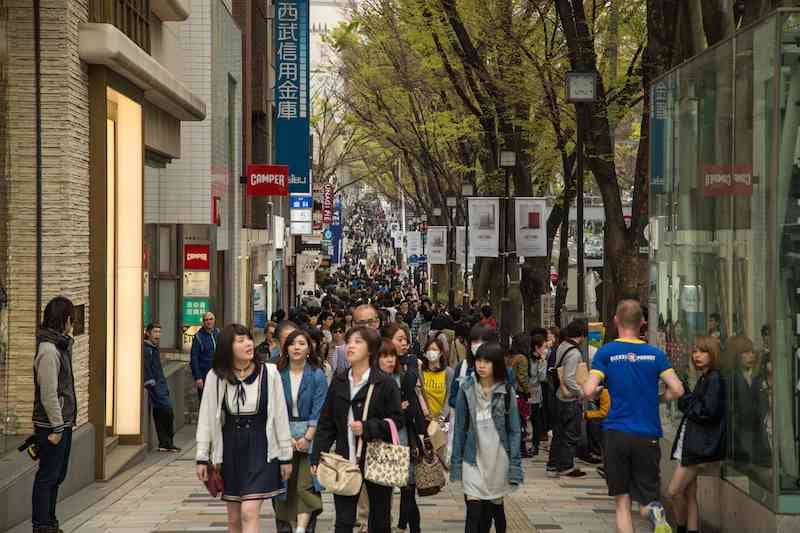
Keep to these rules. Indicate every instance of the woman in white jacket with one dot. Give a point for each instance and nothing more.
(243, 429)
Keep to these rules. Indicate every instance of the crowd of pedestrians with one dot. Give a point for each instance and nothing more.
(379, 389)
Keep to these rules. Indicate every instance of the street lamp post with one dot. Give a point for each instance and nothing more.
(581, 90)
(452, 202)
(437, 212)
(508, 160)
(466, 191)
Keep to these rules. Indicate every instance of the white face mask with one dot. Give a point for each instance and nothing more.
(432, 356)
(475, 346)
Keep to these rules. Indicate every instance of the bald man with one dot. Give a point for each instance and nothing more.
(632, 371)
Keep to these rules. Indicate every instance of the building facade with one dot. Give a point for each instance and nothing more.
(724, 259)
(90, 95)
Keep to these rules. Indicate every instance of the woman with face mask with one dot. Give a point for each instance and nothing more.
(437, 377)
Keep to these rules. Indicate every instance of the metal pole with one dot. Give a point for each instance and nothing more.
(451, 259)
(466, 253)
(579, 222)
(506, 232)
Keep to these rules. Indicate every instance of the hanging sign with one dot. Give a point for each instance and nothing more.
(196, 257)
(531, 227)
(484, 231)
(437, 245)
(196, 284)
(267, 180)
(414, 243)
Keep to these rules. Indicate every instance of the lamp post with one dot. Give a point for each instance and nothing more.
(508, 160)
(581, 90)
(466, 191)
(437, 212)
(452, 202)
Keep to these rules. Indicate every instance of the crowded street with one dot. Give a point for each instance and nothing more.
(400, 266)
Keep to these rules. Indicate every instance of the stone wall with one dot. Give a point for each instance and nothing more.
(65, 225)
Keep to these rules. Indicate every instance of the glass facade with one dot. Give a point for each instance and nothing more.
(725, 242)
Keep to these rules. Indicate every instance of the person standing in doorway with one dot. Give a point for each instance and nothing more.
(54, 410)
(157, 390)
(632, 370)
(204, 344)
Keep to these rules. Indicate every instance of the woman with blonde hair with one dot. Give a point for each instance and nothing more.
(701, 434)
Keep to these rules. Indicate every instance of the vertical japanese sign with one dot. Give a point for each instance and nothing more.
(336, 233)
(327, 203)
(292, 92)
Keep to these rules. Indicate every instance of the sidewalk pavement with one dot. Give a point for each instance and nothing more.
(163, 495)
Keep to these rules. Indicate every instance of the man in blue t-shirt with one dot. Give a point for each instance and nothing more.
(632, 370)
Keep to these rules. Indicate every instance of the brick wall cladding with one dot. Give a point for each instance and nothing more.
(65, 148)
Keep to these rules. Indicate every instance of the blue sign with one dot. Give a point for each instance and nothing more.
(327, 235)
(336, 234)
(301, 202)
(292, 91)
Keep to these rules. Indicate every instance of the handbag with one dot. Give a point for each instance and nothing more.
(434, 431)
(387, 464)
(337, 474)
(214, 483)
(429, 475)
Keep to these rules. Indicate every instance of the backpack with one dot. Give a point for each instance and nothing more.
(552, 373)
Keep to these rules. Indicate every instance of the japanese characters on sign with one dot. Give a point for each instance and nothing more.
(292, 91)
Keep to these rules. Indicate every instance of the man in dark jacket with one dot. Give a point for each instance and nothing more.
(158, 390)
(54, 410)
(204, 344)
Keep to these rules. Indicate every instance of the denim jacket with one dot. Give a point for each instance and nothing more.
(464, 440)
(310, 397)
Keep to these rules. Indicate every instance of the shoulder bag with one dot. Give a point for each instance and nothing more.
(387, 464)
(214, 483)
(339, 475)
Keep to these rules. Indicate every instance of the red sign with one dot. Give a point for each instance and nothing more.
(327, 204)
(267, 180)
(195, 257)
(724, 180)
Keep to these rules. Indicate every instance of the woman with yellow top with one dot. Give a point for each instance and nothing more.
(436, 379)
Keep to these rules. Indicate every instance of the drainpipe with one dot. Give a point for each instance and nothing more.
(37, 51)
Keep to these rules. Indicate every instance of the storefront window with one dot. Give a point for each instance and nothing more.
(714, 172)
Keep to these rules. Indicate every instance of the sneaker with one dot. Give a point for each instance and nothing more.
(601, 470)
(575, 472)
(657, 519)
(590, 459)
(552, 473)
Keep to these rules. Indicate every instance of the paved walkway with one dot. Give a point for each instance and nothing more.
(163, 496)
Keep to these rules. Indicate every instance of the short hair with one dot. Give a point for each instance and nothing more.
(325, 315)
(629, 313)
(479, 332)
(575, 329)
(391, 330)
(151, 326)
(387, 348)
(495, 354)
(56, 314)
(716, 317)
(709, 345)
(538, 331)
(486, 311)
(444, 358)
(371, 337)
(738, 345)
(521, 344)
(537, 341)
(364, 307)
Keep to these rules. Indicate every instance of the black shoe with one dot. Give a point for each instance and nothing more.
(575, 472)
(283, 527)
(602, 471)
(590, 460)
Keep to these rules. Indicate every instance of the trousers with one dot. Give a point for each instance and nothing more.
(53, 462)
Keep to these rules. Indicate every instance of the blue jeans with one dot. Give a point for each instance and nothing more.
(53, 461)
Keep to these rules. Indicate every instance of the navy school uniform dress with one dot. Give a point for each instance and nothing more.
(247, 474)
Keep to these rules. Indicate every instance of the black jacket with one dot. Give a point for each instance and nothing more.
(704, 419)
(332, 426)
(414, 420)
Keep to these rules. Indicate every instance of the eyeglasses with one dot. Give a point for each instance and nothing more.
(359, 323)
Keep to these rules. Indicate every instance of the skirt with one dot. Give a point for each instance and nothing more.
(245, 471)
(300, 498)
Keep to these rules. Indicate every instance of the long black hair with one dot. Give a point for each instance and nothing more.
(313, 356)
(483, 334)
(223, 355)
(494, 353)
